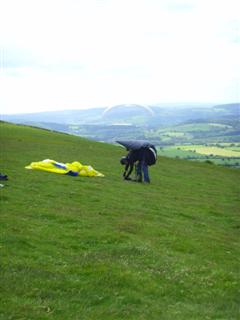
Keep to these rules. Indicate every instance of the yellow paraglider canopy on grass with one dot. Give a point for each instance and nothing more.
(73, 169)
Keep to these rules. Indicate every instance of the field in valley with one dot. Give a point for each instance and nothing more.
(227, 154)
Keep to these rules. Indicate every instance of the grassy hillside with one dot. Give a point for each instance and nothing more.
(104, 248)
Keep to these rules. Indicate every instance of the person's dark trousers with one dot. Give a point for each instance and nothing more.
(142, 167)
(138, 172)
(145, 172)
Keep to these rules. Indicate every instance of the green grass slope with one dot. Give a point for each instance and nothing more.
(103, 248)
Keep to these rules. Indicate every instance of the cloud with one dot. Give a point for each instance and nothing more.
(59, 54)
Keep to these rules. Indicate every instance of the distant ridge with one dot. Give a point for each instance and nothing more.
(134, 114)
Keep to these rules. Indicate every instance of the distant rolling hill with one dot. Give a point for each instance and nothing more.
(130, 114)
(62, 117)
(138, 121)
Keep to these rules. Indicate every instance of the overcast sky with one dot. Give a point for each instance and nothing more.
(68, 54)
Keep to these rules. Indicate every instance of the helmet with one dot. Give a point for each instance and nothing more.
(123, 160)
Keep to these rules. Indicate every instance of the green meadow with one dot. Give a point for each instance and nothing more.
(103, 248)
(220, 154)
(214, 150)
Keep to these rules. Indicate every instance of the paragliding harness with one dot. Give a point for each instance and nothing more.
(151, 156)
(150, 159)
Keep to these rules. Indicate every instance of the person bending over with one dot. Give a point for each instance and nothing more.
(141, 158)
